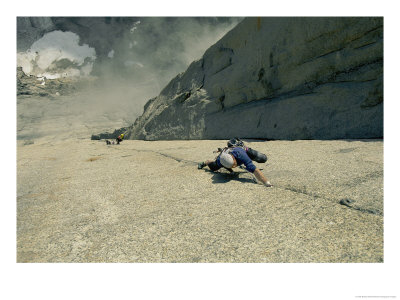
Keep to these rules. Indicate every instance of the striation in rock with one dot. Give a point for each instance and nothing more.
(277, 78)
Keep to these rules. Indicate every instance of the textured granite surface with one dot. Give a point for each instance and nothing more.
(141, 201)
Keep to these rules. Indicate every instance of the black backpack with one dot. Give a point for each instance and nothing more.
(253, 154)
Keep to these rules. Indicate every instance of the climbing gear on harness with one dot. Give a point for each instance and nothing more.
(235, 142)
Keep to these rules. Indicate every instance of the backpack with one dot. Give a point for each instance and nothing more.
(253, 154)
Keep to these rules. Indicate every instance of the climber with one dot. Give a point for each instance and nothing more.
(231, 157)
(120, 138)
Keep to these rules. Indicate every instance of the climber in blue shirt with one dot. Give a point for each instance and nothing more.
(233, 157)
(241, 157)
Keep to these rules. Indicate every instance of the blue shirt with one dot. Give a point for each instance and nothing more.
(241, 158)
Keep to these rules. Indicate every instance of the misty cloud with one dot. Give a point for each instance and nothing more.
(161, 48)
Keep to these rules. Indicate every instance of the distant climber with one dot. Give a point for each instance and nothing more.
(235, 155)
(120, 138)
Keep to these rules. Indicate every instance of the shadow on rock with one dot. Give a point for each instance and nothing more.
(219, 177)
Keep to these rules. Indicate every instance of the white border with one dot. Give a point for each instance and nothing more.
(197, 281)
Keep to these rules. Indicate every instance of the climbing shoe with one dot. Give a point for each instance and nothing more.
(201, 165)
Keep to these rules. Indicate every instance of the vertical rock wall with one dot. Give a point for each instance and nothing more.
(277, 78)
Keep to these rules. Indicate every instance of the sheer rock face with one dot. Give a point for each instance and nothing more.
(277, 78)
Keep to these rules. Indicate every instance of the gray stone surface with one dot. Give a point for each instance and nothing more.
(277, 78)
(144, 201)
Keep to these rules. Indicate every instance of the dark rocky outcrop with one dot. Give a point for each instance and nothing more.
(277, 78)
(43, 87)
(30, 29)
